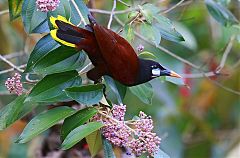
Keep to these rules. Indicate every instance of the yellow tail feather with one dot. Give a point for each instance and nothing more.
(60, 18)
(53, 33)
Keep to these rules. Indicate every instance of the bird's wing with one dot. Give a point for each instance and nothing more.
(119, 56)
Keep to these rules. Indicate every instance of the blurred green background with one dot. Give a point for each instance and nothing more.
(202, 121)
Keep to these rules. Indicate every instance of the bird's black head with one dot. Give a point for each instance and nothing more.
(149, 69)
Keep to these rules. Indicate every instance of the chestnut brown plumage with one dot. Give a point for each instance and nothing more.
(110, 54)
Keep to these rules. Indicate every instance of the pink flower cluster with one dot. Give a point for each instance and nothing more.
(146, 140)
(138, 138)
(14, 84)
(47, 5)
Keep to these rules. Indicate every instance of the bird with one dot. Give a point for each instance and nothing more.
(109, 53)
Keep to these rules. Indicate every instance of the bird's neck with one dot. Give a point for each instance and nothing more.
(144, 73)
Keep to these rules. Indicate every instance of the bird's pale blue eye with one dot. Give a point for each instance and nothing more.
(156, 71)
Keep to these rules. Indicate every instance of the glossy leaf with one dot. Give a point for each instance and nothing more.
(108, 150)
(76, 120)
(15, 8)
(132, 14)
(34, 21)
(42, 48)
(75, 18)
(87, 95)
(167, 29)
(59, 60)
(15, 111)
(128, 33)
(147, 55)
(148, 10)
(79, 133)
(144, 92)
(151, 32)
(94, 141)
(220, 13)
(63, 9)
(10, 113)
(50, 88)
(43, 121)
(118, 89)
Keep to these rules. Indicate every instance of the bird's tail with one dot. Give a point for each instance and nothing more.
(65, 32)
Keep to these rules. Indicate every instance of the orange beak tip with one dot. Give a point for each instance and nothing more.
(174, 74)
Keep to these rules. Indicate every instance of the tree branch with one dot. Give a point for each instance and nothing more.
(11, 64)
(112, 14)
(115, 12)
(124, 3)
(79, 12)
(12, 69)
(173, 7)
(4, 12)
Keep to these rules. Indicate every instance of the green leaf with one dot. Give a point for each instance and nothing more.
(144, 92)
(161, 154)
(63, 9)
(50, 88)
(220, 13)
(149, 10)
(42, 48)
(76, 120)
(75, 17)
(147, 55)
(87, 95)
(79, 133)
(10, 112)
(151, 32)
(15, 8)
(132, 14)
(94, 141)
(167, 29)
(108, 150)
(34, 21)
(59, 60)
(128, 33)
(43, 121)
(118, 89)
(15, 111)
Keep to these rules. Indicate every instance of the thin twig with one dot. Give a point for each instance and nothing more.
(79, 12)
(85, 68)
(11, 64)
(173, 7)
(115, 12)
(225, 54)
(112, 14)
(12, 69)
(219, 68)
(124, 3)
(4, 12)
(14, 55)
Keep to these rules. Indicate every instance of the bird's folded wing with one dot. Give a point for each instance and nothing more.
(118, 54)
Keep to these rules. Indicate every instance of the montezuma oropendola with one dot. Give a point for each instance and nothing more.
(110, 54)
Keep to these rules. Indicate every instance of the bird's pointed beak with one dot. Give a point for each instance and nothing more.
(171, 73)
(174, 74)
